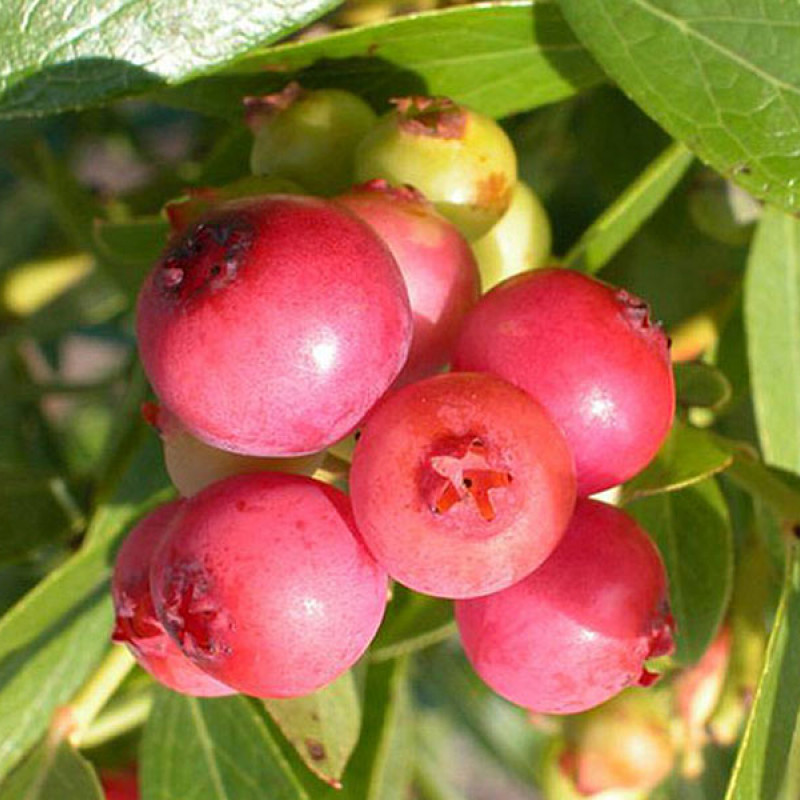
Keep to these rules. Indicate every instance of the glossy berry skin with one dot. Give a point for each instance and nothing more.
(136, 622)
(461, 484)
(438, 267)
(266, 585)
(577, 630)
(519, 241)
(462, 161)
(308, 135)
(589, 353)
(192, 465)
(273, 324)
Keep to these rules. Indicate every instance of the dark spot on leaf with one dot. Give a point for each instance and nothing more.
(315, 749)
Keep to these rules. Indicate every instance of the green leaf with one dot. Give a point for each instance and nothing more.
(212, 748)
(49, 642)
(722, 77)
(34, 511)
(763, 759)
(381, 766)
(322, 727)
(772, 320)
(53, 637)
(701, 385)
(621, 220)
(778, 489)
(450, 688)
(692, 531)
(498, 58)
(53, 770)
(413, 621)
(79, 54)
(688, 455)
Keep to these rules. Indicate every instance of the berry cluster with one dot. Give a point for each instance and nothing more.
(277, 323)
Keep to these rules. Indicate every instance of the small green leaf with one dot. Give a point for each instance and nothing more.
(323, 727)
(722, 77)
(498, 58)
(701, 385)
(772, 321)
(413, 621)
(763, 763)
(53, 770)
(692, 531)
(688, 455)
(212, 748)
(623, 218)
(79, 54)
(381, 765)
(130, 248)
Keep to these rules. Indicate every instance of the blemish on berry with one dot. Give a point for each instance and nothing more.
(192, 615)
(494, 191)
(206, 257)
(431, 116)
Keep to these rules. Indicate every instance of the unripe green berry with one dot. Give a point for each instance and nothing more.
(309, 136)
(518, 242)
(462, 161)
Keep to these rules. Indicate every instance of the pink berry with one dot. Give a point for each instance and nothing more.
(578, 629)
(136, 622)
(590, 354)
(270, 326)
(461, 484)
(266, 585)
(437, 264)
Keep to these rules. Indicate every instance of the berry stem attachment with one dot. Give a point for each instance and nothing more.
(73, 720)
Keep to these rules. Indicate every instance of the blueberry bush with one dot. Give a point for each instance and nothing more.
(653, 145)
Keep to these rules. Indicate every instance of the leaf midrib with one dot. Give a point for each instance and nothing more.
(689, 31)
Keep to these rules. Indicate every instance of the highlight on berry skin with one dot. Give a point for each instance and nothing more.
(579, 629)
(270, 326)
(265, 584)
(590, 354)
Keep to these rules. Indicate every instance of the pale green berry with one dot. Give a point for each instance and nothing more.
(462, 161)
(309, 136)
(520, 241)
